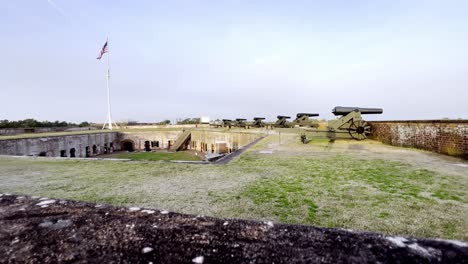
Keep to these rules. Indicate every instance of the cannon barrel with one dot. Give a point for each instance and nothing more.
(306, 114)
(258, 118)
(344, 110)
(281, 117)
(227, 120)
(241, 119)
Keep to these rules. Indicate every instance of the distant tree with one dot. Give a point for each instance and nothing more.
(188, 121)
(164, 122)
(31, 123)
(84, 124)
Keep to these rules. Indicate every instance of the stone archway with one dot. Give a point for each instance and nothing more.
(127, 145)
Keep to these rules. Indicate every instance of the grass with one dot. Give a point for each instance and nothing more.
(362, 186)
(180, 155)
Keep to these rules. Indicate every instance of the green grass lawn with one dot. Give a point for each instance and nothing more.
(355, 185)
(180, 155)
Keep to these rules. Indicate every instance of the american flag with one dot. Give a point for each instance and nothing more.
(103, 50)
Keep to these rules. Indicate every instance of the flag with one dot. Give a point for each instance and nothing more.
(103, 50)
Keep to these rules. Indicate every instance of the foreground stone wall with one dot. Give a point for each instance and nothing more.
(52, 146)
(41, 230)
(442, 136)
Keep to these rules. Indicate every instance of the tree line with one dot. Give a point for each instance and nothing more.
(31, 123)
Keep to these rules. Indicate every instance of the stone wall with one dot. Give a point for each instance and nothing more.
(52, 146)
(138, 138)
(442, 136)
(209, 140)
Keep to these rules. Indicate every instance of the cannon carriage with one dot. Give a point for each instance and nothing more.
(258, 122)
(283, 122)
(303, 120)
(350, 125)
(240, 122)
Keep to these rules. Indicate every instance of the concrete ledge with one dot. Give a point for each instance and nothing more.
(43, 230)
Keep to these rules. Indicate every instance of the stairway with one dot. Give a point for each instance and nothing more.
(180, 141)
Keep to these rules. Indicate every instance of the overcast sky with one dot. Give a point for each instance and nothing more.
(227, 59)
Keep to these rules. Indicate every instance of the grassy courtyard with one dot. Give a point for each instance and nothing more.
(181, 155)
(347, 184)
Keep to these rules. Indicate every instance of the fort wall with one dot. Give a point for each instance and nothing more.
(17, 131)
(212, 141)
(448, 137)
(157, 139)
(92, 144)
(61, 146)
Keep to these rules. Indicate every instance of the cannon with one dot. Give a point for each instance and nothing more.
(349, 125)
(342, 110)
(303, 120)
(282, 122)
(216, 123)
(258, 122)
(227, 123)
(240, 122)
(352, 122)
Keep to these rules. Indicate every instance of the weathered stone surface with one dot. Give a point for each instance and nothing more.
(442, 136)
(68, 231)
(52, 145)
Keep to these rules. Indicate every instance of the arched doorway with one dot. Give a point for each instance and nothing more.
(147, 145)
(127, 145)
(72, 153)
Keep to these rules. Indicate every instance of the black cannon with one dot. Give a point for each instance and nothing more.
(351, 121)
(227, 123)
(240, 122)
(283, 122)
(299, 115)
(258, 122)
(303, 120)
(344, 110)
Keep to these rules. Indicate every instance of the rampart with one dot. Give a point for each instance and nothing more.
(16, 131)
(448, 137)
(92, 144)
(61, 146)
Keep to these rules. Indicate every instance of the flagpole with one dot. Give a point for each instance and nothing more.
(109, 121)
(109, 118)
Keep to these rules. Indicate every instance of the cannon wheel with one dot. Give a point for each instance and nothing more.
(359, 129)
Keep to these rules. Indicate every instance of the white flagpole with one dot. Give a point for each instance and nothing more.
(109, 116)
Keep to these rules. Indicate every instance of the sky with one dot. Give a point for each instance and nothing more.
(232, 59)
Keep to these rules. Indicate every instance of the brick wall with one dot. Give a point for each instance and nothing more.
(442, 136)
